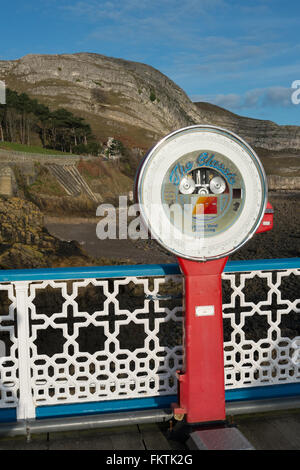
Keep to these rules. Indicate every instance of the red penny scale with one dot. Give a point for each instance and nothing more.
(202, 193)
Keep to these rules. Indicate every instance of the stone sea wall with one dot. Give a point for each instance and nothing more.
(286, 183)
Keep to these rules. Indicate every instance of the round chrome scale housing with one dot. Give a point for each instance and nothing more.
(202, 192)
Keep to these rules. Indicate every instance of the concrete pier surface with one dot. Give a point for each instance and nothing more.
(266, 431)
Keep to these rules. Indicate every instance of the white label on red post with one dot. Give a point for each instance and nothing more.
(205, 310)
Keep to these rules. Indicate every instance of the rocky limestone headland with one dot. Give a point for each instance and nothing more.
(259, 133)
(119, 98)
(129, 100)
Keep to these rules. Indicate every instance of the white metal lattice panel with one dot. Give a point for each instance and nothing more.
(268, 353)
(102, 366)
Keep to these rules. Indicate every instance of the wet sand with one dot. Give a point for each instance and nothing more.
(282, 242)
(84, 232)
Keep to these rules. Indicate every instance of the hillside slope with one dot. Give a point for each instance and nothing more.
(258, 132)
(138, 105)
(277, 146)
(129, 100)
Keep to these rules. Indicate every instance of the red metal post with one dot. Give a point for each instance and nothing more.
(201, 382)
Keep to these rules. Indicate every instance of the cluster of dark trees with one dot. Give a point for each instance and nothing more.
(21, 117)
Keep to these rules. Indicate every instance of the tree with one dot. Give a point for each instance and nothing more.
(58, 129)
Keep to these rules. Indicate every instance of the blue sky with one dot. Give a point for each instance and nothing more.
(243, 55)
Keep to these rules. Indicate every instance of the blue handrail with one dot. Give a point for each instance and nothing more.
(268, 392)
(145, 270)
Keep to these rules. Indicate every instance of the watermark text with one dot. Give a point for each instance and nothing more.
(295, 96)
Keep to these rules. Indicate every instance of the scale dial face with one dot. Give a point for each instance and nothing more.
(202, 192)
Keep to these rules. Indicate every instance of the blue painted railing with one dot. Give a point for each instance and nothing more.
(131, 404)
(145, 270)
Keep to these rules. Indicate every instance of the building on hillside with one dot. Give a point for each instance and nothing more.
(113, 150)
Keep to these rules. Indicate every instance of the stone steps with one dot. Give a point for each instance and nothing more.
(71, 180)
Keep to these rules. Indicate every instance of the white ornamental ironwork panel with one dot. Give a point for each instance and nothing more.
(261, 312)
(95, 340)
(103, 339)
(9, 381)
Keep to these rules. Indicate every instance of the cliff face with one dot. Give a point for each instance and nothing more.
(125, 99)
(285, 183)
(257, 132)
